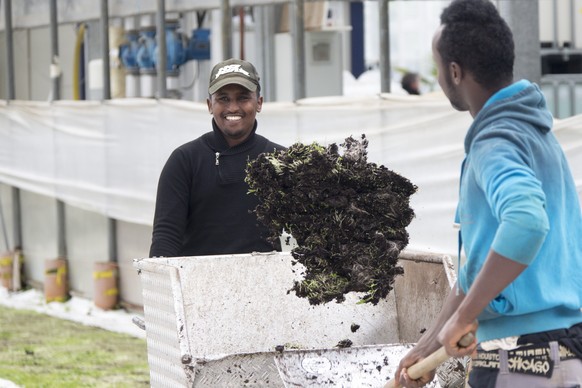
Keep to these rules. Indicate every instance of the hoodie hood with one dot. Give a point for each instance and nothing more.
(519, 103)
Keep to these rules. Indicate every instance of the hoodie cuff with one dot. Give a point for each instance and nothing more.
(518, 243)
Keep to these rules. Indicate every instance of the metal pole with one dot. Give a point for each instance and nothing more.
(162, 49)
(555, 17)
(105, 49)
(299, 48)
(3, 225)
(522, 16)
(241, 31)
(56, 95)
(265, 19)
(17, 218)
(226, 29)
(55, 72)
(572, 90)
(61, 229)
(10, 92)
(385, 77)
(111, 222)
(573, 43)
(556, 90)
(11, 95)
(112, 238)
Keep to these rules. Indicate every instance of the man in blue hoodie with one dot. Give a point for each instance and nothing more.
(520, 289)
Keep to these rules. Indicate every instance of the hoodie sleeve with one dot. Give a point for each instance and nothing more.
(515, 195)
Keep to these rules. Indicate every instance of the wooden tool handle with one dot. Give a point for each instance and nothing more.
(425, 365)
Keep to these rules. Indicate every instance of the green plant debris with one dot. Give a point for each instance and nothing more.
(349, 216)
(37, 350)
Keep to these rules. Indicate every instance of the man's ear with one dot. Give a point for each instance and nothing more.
(209, 104)
(259, 104)
(456, 72)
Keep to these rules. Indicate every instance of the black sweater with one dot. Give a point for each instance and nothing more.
(203, 206)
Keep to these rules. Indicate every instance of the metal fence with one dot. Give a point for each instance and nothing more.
(563, 93)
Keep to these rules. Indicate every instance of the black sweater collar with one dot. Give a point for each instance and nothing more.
(217, 142)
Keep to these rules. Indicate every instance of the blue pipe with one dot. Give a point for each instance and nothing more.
(128, 51)
(175, 53)
(145, 53)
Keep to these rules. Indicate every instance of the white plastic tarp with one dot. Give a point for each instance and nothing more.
(107, 157)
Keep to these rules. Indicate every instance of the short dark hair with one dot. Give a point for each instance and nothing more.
(477, 38)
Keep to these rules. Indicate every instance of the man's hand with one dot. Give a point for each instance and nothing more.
(427, 344)
(401, 377)
(451, 334)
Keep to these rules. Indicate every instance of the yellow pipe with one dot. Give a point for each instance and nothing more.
(77, 61)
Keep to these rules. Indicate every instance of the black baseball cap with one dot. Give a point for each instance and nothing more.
(233, 71)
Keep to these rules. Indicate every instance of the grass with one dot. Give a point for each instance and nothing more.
(37, 350)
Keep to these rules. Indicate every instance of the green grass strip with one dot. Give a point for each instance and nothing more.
(37, 350)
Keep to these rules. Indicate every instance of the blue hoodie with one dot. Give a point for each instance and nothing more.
(517, 197)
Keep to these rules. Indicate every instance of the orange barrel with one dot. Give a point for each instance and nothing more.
(6, 270)
(56, 285)
(105, 275)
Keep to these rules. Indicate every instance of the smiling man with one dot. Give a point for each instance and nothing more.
(203, 206)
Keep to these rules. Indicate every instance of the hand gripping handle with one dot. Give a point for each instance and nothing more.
(425, 365)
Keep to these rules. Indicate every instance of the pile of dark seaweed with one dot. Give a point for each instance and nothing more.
(348, 216)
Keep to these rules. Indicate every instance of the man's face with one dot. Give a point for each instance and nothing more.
(234, 109)
(445, 78)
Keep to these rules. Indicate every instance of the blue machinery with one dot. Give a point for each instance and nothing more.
(139, 55)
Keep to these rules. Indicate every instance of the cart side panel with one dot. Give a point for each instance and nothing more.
(164, 356)
(239, 370)
(420, 294)
(242, 303)
(201, 309)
